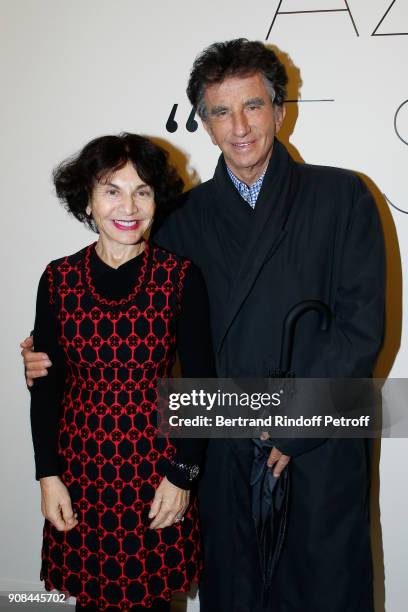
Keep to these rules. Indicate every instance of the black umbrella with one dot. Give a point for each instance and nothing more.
(270, 495)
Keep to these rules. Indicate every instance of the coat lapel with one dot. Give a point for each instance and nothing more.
(266, 234)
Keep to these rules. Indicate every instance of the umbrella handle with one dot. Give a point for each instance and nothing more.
(289, 327)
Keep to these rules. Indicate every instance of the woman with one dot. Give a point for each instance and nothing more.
(110, 317)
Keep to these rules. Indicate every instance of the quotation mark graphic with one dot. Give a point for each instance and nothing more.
(172, 125)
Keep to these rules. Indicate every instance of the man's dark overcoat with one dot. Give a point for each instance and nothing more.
(314, 234)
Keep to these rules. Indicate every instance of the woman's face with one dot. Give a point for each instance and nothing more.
(122, 207)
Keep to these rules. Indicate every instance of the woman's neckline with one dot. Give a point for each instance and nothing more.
(89, 280)
(104, 264)
(100, 259)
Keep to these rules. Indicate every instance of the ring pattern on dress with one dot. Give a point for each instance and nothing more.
(111, 459)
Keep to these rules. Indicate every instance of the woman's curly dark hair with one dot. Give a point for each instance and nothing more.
(235, 58)
(75, 178)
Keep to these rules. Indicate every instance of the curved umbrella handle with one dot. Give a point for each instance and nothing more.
(289, 327)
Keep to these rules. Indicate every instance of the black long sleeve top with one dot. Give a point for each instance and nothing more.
(194, 349)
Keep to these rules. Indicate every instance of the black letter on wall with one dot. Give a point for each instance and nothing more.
(340, 10)
(380, 22)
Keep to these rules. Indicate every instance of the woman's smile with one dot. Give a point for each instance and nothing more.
(126, 225)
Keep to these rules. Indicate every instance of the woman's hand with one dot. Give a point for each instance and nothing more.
(169, 503)
(35, 364)
(56, 503)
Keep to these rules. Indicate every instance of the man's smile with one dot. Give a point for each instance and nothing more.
(243, 146)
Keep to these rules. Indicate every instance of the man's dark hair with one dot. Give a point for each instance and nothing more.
(235, 58)
(76, 177)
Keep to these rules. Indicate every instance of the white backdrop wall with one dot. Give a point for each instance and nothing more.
(71, 71)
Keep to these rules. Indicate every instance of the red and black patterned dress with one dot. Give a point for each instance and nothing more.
(110, 334)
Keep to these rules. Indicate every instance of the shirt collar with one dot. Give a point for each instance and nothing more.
(249, 194)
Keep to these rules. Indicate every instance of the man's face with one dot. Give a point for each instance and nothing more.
(242, 121)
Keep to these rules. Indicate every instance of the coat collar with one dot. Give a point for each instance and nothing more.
(268, 229)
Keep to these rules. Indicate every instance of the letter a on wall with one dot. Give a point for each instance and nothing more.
(309, 9)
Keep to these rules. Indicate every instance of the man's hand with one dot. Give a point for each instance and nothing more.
(169, 503)
(35, 364)
(277, 459)
(56, 503)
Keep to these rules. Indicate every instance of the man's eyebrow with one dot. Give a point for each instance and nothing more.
(257, 101)
(218, 109)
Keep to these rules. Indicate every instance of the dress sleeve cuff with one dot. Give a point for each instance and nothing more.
(49, 468)
(182, 475)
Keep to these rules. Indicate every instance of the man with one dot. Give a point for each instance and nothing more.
(267, 234)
